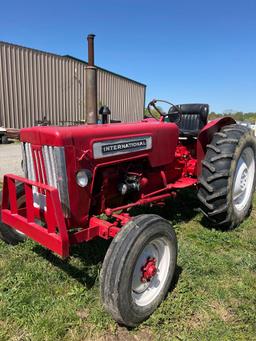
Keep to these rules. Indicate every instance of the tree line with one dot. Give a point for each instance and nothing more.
(238, 116)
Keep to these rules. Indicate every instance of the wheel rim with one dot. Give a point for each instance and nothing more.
(244, 179)
(151, 271)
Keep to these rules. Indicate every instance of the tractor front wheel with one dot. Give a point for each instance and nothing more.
(138, 269)
(8, 234)
(228, 176)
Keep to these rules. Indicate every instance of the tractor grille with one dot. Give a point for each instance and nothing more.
(47, 165)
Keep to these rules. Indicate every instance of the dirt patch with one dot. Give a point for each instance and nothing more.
(123, 334)
(225, 314)
(118, 333)
(83, 314)
(198, 320)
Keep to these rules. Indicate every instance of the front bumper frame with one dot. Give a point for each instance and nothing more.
(54, 234)
(47, 226)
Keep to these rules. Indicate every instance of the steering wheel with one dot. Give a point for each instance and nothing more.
(174, 115)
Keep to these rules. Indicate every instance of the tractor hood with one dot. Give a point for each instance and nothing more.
(158, 139)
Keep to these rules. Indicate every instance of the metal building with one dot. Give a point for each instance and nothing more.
(34, 84)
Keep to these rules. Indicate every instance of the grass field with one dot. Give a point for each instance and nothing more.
(213, 296)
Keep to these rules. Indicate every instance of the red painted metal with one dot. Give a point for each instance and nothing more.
(54, 236)
(51, 232)
(83, 138)
(205, 136)
(148, 270)
(170, 165)
(97, 228)
(78, 143)
(152, 197)
(110, 211)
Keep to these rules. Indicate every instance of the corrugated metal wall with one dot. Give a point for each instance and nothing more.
(34, 84)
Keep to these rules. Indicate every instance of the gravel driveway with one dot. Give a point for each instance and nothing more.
(10, 159)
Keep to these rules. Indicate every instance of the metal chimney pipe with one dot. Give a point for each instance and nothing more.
(91, 84)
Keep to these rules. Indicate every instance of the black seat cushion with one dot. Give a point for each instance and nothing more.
(193, 118)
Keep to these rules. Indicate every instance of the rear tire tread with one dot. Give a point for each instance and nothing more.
(218, 211)
(204, 201)
(221, 134)
(218, 175)
(218, 171)
(221, 157)
(235, 141)
(216, 195)
(209, 166)
(214, 148)
(205, 184)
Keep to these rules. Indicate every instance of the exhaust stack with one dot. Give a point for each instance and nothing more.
(91, 84)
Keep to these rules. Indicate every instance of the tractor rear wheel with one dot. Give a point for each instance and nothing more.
(138, 269)
(8, 234)
(228, 176)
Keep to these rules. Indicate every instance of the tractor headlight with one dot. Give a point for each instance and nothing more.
(83, 177)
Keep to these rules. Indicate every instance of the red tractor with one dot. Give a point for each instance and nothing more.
(82, 182)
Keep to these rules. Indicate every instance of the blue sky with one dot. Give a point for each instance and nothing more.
(183, 50)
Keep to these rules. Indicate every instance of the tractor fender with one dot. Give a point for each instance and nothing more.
(205, 136)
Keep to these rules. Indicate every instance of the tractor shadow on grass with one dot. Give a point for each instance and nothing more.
(183, 208)
(86, 259)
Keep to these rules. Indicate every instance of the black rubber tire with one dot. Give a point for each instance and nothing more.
(8, 234)
(118, 266)
(5, 139)
(218, 170)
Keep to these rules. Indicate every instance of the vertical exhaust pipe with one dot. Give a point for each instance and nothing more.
(91, 84)
(90, 39)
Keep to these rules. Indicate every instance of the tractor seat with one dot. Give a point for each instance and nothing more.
(193, 118)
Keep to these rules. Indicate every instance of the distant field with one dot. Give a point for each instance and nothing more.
(213, 295)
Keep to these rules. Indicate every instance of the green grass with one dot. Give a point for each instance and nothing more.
(213, 297)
